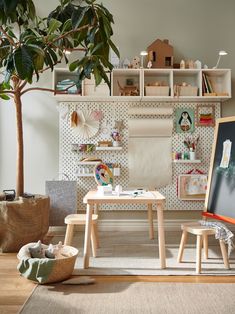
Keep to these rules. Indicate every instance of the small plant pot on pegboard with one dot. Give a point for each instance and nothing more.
(45, 270)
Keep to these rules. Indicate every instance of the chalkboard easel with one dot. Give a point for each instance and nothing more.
(220, 196)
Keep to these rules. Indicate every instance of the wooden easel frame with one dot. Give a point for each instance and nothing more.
(205, 213)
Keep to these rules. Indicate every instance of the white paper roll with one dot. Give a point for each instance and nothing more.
(166, 110)
(150, 127)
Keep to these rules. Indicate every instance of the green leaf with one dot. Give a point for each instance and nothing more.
(114, 48)
(23, 63)
(74, 65)
(49, 61)
(4, 96)
(98, 77)
(52, 54)
(9, 5)
(31, 9)
(78, 16)
(53, 25)
(67, 26)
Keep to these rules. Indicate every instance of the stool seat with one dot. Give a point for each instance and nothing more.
(202, 233)
(80, 219)
(197, 229)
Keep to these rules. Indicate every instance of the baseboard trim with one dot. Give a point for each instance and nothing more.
(137, 225)
(134, 225)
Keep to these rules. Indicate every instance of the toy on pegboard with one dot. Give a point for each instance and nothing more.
(103, 175)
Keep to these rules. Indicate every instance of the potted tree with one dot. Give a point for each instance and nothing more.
(31, 45)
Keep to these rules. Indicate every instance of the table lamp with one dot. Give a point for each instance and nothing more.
(221, 53)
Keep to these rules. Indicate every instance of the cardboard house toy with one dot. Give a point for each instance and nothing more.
(160, 53)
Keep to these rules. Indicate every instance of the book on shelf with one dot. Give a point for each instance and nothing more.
(207, 87)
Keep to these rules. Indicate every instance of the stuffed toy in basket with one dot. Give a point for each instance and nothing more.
(43, 269)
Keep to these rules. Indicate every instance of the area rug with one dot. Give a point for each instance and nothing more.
(132, 298)
(132, 253)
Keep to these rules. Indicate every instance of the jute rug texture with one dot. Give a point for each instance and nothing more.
(132, 298)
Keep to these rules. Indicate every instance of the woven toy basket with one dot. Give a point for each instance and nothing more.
(62, 267)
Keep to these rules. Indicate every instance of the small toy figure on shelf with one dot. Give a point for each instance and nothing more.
(135, 63)
(150, 64)
(116, 138)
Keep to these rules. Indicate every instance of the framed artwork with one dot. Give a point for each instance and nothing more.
(205, 115)
(185, 120)
(192, 187)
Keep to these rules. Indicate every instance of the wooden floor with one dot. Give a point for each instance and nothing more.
(14, 290)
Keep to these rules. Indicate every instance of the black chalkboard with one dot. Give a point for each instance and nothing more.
(220, 198)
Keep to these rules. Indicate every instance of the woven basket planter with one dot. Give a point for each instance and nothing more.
(23, 221)
(62, 268)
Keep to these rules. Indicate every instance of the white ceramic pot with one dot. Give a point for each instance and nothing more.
(192, 155)
(116, 143)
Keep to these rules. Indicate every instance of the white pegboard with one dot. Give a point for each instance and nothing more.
(118, 110)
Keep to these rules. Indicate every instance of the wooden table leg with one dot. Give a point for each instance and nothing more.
(96, 211)
(150, 219)
(161, 236)
(87, 239)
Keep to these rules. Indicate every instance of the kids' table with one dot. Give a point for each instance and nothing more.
(92, 200)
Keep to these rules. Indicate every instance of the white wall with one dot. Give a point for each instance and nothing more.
(196, 29)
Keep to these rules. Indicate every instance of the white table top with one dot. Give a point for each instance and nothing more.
(150, 197)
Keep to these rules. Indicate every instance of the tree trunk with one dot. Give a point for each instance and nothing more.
(20, 146)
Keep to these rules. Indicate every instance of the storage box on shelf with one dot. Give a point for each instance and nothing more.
(186, 82)
(90, 89)
(157, 82)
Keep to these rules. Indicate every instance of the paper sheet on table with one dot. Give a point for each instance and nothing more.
(149, 151)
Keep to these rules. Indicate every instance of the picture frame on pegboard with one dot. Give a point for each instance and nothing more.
(205, 115)
(184, 120)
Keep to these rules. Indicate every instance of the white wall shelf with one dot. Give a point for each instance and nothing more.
(88, 163)
(85, 175)
(90, 175)
(187, 161)
(113, 148)
(220, 80)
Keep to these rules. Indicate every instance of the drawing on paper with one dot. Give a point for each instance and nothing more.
(192, 187)
(227, 145)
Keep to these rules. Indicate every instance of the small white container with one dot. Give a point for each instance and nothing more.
(192, 155)
(116, 171)
(116, 144)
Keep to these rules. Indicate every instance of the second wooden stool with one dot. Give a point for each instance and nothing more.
(80, 219)
(202, 233)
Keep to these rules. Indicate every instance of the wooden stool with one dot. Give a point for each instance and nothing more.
(80, 219)
(202, 233)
